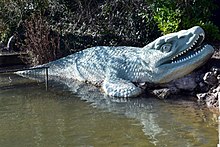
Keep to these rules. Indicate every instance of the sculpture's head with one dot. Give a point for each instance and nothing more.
(177, 54)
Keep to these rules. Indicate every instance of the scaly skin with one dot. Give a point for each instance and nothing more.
(119, 70)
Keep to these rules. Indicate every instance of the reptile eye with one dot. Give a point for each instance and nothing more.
(166, 48)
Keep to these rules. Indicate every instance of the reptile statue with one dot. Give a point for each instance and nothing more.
(121, 71)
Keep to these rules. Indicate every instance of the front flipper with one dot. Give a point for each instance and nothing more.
(115, 84)
(120, 88)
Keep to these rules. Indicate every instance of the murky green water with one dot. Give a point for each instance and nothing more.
(80, 116)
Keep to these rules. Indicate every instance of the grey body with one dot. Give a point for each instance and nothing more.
(119, 70)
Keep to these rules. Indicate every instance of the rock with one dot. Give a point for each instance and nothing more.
(202, 87)
(1, 45)
(211, 100)
(210, 78)
(218, 78)
(211, 97)
(162, 93)
(206, 86)
(186, 83)
(201, 96)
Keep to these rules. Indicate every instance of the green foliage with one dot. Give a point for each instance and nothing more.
(83, 24)
(165, 14)
(172, 16)
(9, 17)
(168, 20)
(13, 12)
(195, 11)
(4, 32)
(212, 31)
(198, 12)
(124, 19)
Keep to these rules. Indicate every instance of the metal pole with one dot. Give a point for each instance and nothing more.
(218, 120)
(46, 78)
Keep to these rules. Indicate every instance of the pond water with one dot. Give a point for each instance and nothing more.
(79, 115)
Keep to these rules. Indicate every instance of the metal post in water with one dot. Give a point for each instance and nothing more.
(218, 120)
(46, 78)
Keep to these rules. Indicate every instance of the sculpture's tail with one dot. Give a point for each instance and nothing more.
(36, 73)
(63, 67)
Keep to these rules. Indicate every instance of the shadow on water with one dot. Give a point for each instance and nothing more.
(164, 123)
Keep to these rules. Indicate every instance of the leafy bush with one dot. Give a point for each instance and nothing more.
(212, 31)
(123, 18)
(172, 16)
(13, 12)
(100, 22)
(168, 20)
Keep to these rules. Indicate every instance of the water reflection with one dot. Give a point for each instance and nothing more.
(69, 121)
(163, 123)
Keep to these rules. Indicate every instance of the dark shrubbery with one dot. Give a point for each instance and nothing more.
(86, 23)
(41, 43)
(118, 19)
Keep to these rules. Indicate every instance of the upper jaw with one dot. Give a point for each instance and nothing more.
(189, 49)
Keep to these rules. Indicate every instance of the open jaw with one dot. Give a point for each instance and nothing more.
(191, 51)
